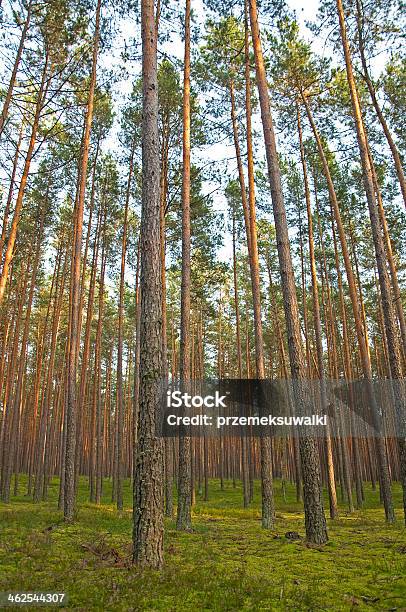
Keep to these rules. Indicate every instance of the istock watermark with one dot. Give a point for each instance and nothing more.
(177, 399)
(247, 407)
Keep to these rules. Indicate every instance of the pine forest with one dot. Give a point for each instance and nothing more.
(202, 194)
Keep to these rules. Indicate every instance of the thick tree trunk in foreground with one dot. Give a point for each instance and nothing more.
(148, 529)
(316, 529)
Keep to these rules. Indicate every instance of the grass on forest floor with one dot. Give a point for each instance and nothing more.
(228, 563)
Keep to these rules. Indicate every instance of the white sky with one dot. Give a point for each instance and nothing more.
(306, 10)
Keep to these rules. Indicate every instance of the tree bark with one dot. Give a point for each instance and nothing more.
(74, 339)
(317, 326)
(315, 521)
(148, 480)
(120, 401)
(184, 520)
(384, 283)
(359, 327)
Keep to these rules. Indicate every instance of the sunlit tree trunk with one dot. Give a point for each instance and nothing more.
(315, 521)
(357, 313)
(317, 327)
(74, 325)
(244, 467)
(97, 396)
(120, 400)
(184, 520)
(148, 478)
(384, 282)
(48, 381)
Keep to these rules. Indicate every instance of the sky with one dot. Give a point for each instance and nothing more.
(306, 10)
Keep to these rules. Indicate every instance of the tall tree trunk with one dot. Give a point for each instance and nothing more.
(184, 521)
(74, 339)
(316, 529)
(397, 297)
(359, 327)
(43, 440)
(332, 340)
(120, 400)
(317, 326)
(89, 315)
(283, 362)
(163, 202)
(244, 465)
(137, 350)
(384, 283)
(97, 398)
(268, 505)
(148, 480)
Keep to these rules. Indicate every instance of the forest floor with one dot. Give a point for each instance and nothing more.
(228, 562)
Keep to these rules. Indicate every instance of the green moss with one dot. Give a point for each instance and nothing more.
(228, 563)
